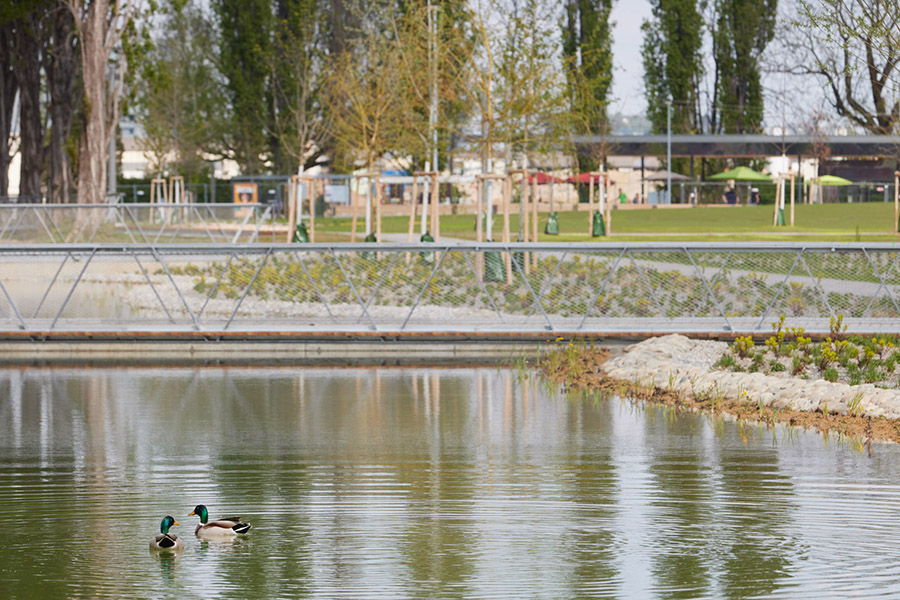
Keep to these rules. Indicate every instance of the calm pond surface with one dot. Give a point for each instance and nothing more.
(422, 483)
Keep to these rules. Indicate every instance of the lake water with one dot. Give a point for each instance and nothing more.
(422, 483)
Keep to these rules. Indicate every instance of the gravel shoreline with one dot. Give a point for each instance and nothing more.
(685, 366)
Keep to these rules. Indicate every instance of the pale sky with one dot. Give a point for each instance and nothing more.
(628, 72)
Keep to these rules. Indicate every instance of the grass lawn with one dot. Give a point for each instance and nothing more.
(871, 221)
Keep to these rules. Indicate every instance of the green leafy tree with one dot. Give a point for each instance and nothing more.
(673, 64)
(365, 102)
(179, 101)
(587, 47)
(244, 28)
(743, 29)
(298, 122)
(432, 58)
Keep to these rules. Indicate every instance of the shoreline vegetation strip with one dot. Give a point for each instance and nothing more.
(687, 374)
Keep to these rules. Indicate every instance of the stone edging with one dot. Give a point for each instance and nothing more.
(685, 366)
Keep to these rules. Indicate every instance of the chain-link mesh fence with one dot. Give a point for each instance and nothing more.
(517, 288)
(131, 223)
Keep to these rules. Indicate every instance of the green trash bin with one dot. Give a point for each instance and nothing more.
(370, 239)
(518, 257)
(301, 236)
(598, 227)
(552, 226)
(494, 269)
(426, 257)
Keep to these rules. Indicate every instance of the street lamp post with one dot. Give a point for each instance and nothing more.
(669, 149)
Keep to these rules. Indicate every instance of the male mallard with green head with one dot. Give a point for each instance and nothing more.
(220, 528)
(165, 540)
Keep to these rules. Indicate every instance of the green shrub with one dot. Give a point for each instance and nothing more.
(726, 361)
(830, 374)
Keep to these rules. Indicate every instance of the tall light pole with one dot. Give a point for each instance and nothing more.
(433, 64)
(669, 149)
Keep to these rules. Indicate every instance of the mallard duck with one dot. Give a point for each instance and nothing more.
(227, 527)
(165, 540)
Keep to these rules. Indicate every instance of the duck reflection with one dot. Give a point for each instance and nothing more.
(168, 563)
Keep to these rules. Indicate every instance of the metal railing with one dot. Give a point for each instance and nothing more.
(457, 288)
(131, 223)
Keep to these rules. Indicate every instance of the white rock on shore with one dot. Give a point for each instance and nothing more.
(686, 366)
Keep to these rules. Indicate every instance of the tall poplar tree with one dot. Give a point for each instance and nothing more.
(298, 122)
(743, 29)
(244, 51)
(587, 48)
(673, 66)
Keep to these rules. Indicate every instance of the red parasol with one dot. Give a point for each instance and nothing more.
(543, 179)
(586, 178)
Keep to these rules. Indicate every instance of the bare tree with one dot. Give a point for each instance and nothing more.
(299, 118)
(101, 25)
(363, 95)
(513, 77)
(853, 46)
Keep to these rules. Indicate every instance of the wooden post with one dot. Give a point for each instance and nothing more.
(158, 185)
(534, 217)
(792, 199)
(354, 200)
(176, 189)
(377, 209)
(413, 207)
(607, 203)
(435, 206)
(479, 192)
(896, 201)
(590, 203)
(292, 208)
(526, 217)
(524, 212)
(551, 193)
(312, 209)
(507, 198)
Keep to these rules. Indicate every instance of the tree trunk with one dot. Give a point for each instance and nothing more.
(61, 66)
(92, 156)
(8, 89)
(28, 64)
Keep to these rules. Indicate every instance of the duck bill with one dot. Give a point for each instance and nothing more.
(191, 513)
